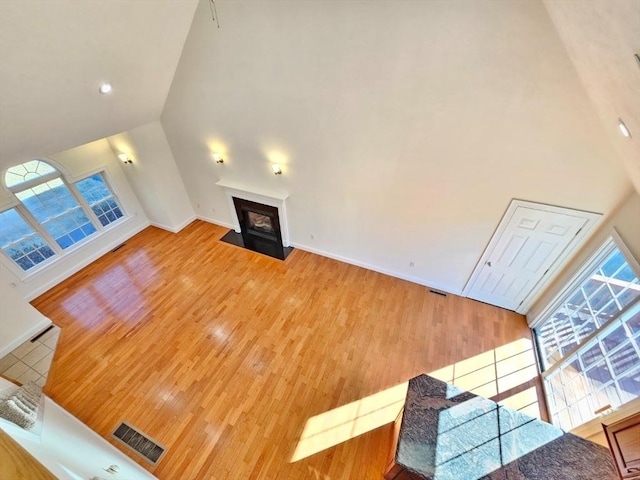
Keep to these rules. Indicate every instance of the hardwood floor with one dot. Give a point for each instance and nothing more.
(223, 355)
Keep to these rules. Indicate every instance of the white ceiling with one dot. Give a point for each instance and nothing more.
(55, 53)
(601, 37)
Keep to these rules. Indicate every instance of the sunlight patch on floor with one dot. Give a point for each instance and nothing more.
(497, 371)
(348, 421)
(525, 402)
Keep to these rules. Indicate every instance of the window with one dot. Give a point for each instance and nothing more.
(20, 242)
(590, 340)
(51, 216)
(53, 205)
(100, 199)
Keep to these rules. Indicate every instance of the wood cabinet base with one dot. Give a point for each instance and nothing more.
(624, 441)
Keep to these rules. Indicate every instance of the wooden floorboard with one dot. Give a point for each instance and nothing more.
(223, 355)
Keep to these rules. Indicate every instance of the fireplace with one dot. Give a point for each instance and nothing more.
(260, 220)
(260, 227)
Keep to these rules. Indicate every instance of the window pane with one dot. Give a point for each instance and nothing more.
(614, 339)
(630, 386)
(21, 242)
(599, 375)
(55, 207)
(624, 359)
(100, 198)
(633, 324)
(27, 171)
(591, 355)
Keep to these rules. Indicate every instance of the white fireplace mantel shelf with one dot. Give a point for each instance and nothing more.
(260, 192)
(259, 195)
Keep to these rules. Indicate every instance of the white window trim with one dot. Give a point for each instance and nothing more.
(69, 181)
(582, 272)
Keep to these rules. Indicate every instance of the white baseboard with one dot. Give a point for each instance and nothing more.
(350, 261)
(357, 263)
(172, 229)
(215, 221)
(385, 271)
(84, 262)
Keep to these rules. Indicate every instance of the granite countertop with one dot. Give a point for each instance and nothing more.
(450, 434)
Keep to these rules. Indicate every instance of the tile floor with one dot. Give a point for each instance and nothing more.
(31, 360)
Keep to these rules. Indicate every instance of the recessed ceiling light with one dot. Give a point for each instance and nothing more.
(623, 128)
(105, 88)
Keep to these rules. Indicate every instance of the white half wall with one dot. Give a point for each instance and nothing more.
(155, 176)
(19, 321)
(403, 128)
(71, 450)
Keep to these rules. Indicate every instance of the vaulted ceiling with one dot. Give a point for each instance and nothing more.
(54, 55)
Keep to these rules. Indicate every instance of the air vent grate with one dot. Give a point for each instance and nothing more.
(442, 294)
(118, 248)
(139, 442)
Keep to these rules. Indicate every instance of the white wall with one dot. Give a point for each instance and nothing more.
(625, 220)
(19, 321)
(404, 128)
(155, 176)
(76, 163)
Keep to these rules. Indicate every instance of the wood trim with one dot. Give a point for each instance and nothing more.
(592, 430)
(627, 468)
(15, 382)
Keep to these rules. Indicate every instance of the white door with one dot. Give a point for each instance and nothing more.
(531, 240)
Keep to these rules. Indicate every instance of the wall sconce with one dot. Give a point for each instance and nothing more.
(623, 129)
(217, 157)
(276, 169)
(124, 157)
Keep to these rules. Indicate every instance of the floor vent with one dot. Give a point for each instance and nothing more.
(34, 339)
(139, 442)
(438, 293)
(118, 248)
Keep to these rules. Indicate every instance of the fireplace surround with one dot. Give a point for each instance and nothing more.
(260, 221)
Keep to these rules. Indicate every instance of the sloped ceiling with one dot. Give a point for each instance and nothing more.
(601, 37)
(54, 54)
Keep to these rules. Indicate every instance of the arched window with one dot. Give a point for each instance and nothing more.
(51, 215)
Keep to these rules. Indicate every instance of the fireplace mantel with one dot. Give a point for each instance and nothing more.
(259, 195)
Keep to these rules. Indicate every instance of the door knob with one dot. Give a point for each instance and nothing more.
(488, 264)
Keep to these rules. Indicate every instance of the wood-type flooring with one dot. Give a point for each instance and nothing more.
(223, 355)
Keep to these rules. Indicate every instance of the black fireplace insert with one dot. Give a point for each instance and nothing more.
(260, 229)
